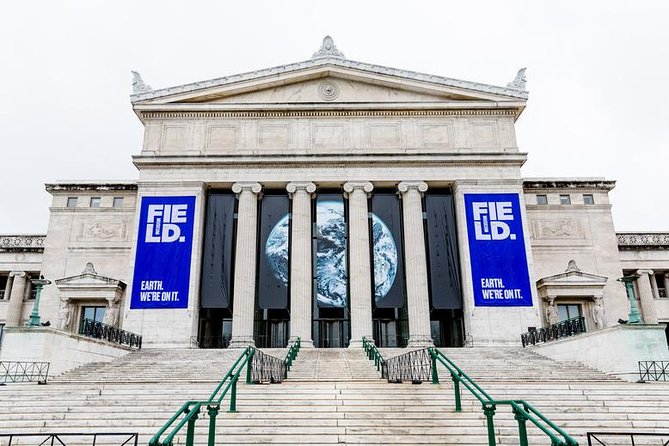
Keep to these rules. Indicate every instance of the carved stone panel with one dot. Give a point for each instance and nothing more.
(558, 229)
(436, 135)
(383, 135)
(221, 137)
(274, 136)
(103, 231)
(175, 137)
(329, 135)
(483, 134)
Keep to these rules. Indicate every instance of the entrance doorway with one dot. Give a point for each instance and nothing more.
(331, 333)
(447, 328)
(331, 328)
(271, 328)
(215, 328)
(391, 327)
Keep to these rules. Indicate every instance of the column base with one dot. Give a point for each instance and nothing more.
(304, 343)
(241, 342)
(420, 341)
(357, 343)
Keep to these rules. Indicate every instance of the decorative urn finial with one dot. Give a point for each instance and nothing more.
(571, 267)
(519, 82)
(89, 269)
(138, 84)
(328, 49)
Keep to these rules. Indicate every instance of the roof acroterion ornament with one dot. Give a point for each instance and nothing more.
(138, 84)
(328, 49)
(519, 82)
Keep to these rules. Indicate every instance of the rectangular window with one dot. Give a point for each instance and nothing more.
(118, 202)
(568, 311)
(564, 199)
(71, 202)
(542, 199)
(93, 313)
(95, 202)
(588, 199)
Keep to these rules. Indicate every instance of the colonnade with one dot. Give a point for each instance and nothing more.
(360, 266)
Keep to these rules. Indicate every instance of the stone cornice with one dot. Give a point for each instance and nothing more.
(22, 243)
(530, 184)
(643, 240)
(334, 63)
(343, 160)
(82, 186)
(267, 112)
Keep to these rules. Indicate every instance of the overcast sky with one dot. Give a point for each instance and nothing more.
(597, 76)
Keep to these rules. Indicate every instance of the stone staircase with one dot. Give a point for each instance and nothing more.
(334, 364)
(333, 396)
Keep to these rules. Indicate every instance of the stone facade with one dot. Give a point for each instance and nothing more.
(331, 124)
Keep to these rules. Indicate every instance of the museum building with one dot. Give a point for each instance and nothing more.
(332, 200)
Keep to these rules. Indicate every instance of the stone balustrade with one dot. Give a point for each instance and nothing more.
(22, 242)
(643, 240)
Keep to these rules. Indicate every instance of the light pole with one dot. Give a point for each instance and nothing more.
(34, 316)
(634, 317)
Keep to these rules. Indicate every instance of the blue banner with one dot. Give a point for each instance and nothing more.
(164, 246)
(497, 250)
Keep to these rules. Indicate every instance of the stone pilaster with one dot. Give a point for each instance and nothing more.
(415, 265)
(646, 296)
(16, 298)
(245, 264)
(300, 262)
(359, 271)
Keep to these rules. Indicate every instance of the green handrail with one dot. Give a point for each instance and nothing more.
(292, 354)
(373, 353)
(522, 410)
(191, 409)
(189, 412)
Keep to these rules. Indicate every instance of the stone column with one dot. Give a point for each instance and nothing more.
(646, 296)
(28, 289)
(415, 264)
(653, 285)
(359, 268)
(245, 265)
(16, 298)
(300, 262)
(8, 286)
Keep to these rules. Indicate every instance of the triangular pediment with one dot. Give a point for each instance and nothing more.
(89, 278)
(572, 276)
(332, 89)
(327, 82)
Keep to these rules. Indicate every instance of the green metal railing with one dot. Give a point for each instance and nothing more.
(522, 410)
(373, 354)
(292, 354)
(187, 415)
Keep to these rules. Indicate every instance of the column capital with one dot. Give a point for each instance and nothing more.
(406, 186)
(642, 272)
(293, 187)
(365, 186)
(249, 186)
(18, 274)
